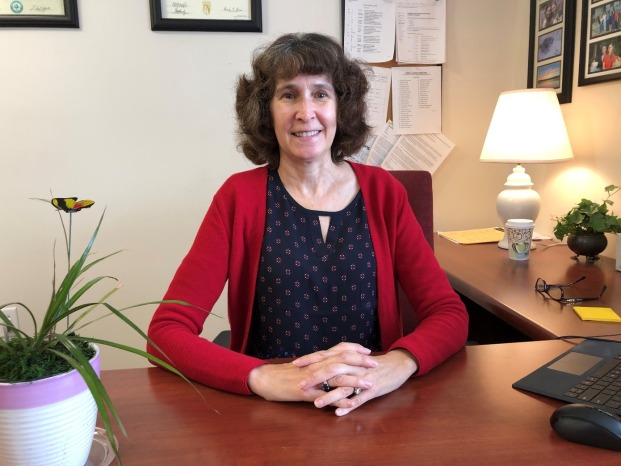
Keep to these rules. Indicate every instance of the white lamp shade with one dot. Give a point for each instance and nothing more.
(527, 127)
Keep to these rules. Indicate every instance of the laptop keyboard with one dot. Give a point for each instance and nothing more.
(602, 388)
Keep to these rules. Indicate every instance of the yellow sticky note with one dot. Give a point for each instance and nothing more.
(602, 314)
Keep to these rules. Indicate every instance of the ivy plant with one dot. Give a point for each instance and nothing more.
(588, 217)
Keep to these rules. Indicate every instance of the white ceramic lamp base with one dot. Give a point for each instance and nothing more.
(519, 200)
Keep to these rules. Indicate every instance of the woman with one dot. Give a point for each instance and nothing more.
(609, 60)
(312, 248)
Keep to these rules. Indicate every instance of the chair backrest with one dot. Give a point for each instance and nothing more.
(418, 185)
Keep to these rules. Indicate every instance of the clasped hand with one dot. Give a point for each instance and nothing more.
(345, 367)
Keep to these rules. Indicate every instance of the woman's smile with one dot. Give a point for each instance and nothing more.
(306, 134)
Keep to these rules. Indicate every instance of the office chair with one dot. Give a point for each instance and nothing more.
(418, 185)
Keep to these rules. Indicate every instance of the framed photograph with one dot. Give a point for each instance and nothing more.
(551, 46)
(600, 42)
(206, 15)
(39, 13)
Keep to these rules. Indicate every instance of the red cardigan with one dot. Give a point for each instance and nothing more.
(228, 246)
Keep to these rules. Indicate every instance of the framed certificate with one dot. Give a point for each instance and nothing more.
(39, 13)
(206, 15)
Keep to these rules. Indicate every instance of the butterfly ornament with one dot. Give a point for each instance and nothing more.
(71, 204)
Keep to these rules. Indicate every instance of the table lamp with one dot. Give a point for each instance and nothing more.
(527, 127)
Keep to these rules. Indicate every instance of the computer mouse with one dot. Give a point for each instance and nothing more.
(588, 425)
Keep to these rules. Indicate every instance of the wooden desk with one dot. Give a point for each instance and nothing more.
(506, 288)
(463, 412)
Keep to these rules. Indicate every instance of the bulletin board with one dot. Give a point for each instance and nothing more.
(388, 64)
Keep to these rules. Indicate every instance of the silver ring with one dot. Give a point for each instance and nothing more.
(326, 386)
(357, 391)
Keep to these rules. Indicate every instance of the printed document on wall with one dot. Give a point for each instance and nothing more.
(369, 30)
(382, 145)
(418, 152)
(377, 97)
(421, 31)
(417, 99)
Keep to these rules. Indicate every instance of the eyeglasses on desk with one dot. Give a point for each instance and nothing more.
(556, 292)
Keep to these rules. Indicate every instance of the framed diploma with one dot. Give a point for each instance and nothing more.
(39, 13)
(206, 15)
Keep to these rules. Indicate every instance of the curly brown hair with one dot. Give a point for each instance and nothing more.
(285, 58)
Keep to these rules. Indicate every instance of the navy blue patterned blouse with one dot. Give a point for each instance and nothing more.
(313, 294)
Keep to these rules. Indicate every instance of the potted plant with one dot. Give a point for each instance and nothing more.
(50, 391)
(585, 226)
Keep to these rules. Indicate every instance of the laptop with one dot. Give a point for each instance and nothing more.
(588, 373)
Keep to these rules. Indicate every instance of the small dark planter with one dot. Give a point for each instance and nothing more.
(588, 246)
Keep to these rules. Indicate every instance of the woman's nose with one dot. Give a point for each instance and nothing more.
(306, 110)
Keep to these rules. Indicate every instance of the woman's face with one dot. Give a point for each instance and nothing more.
(304, 114)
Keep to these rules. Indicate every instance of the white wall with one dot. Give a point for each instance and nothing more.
(142, 122)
